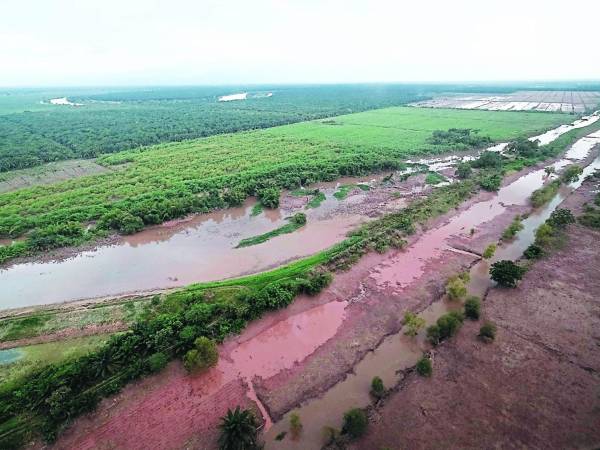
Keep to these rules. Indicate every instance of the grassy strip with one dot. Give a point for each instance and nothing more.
(345, 189)
(297, 221)
(544, 194)
(257, 209)
(316, 201)
(435, 178)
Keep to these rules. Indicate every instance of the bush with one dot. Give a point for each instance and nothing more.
(472, 308)
(463, 170)
(157, 361)
(506, 273)
(491, 183)
(413, 324)
(424, 367)
(544, 194)
(571, 173)
(533, 252)
(560, 218)
(487, 332)
(295, 426)
(590, 219)
(445, 327)
(489, 251)
(239, 431)
(355, 423)
(204, 355)
(269, 197)
(299, 219)
(456, 289)
(544, 235)
(512, 230)
(488, 160)
(523, 147)
(377, 388)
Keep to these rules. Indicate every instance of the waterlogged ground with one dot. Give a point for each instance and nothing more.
(319, 354)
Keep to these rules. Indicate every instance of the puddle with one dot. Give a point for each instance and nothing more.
(10, 356)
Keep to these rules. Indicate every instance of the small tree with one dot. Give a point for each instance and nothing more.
(561, 218)
(549, 170)
(456, 289)
(238, 431)
(377, 388)
(413, 324)
(463, 170)
(472, 308)
(295, 426)
(424, 367)
(506, 273)
(355, 423)
(571, 173)
(204, 355)
(489, 251)
(487, 332)
(533, 252)
(299, 218)
(544, 235)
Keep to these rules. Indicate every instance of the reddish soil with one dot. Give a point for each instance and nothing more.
(535, 386)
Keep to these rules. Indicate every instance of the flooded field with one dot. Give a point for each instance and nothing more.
(564, 101)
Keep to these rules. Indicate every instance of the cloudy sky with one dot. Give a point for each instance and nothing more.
(100, 42)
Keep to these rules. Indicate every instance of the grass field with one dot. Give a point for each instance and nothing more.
(165, 181)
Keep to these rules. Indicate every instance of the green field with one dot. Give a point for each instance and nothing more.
(165, 181)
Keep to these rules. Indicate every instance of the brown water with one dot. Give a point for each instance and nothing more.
(399, 352)
(200, 248)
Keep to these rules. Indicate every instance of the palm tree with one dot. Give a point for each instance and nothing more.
(238, 430)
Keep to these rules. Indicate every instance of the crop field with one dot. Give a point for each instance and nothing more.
(165, 181)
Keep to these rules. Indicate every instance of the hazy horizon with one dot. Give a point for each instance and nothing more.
(60, 43)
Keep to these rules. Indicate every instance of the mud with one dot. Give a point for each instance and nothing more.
(534, 387)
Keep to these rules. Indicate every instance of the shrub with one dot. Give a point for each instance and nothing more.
(489, 251)
(269, 197)
(413, 323)
(590, 219)
(299, 218)
(506, 273)
(295, 426)
(463, 170)
(487, 332)
(544, 194)
(560, 218)
(571, 173)
(472, 308)
(523, 147)
(456, 289)
(491, 182)
(377, 388)
(534, 251)
(157, 361)
(355, 423)
(424, 367)
(544, 235)
(204, 355)
(512, 230)
(488, 160)
(445, 327)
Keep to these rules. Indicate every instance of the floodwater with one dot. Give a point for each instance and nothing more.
(10, 356)
(201, 248)
(398, 352)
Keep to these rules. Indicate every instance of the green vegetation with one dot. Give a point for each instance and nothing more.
(239, 431)
(445, 327)
(257, 209)
(473, 308)
(345, 189)
(534, 251)
(435, 178)
(571, 173)
(413, 323)
(489, 251)
(463, 170)
(424, 367)
(506, 273)
(543, 195)
(459, 136)
(355, 423)
(377, 388)
(487, 332)
(515, 226)
(202, 356)
(316, 200)
(561, 218)
(151, 185)
(295, 426)
(456, 288)
(298, 220)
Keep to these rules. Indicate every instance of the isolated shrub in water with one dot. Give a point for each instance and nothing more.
(561, 218)
(489, 251)
(295, 426)
(472, 308)
(512, 230)
(299, 218)
(487, 332)
(204, 355)
(446, 326)
(413, 323)
(377, 388)
(424, 367)
(355, 423)
(506, 273)
(571, 173)
(456, 289)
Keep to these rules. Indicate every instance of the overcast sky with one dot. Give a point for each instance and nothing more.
(100, 42)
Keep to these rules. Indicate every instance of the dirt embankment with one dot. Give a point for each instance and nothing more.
(536, 386)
